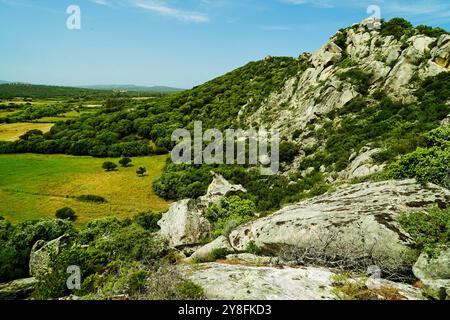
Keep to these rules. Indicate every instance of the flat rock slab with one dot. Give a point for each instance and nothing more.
(238, 282)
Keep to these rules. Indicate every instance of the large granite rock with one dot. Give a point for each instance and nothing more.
(434, 272)
(17, 289)
(184, 225)
(240, 282)
(42, 253)
(352, 225)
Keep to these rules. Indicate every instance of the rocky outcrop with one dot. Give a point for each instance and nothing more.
(434, 274)
(239, 282)
(350, 225)
(362, 165)
(184, 225)
(42, 254)
(18, 289)
(396, 68)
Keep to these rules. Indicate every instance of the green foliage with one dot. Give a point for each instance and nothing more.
(127, 127)
(430, 164)
(16, 243)
(125, 162)
(288, 151)
(230, 213)
(66, 214)
(141, 171)
(253, 248)
(116, 256)
(30, 134)
(148, 220)
(341, 39)
(91, 198)
(109, 166)
(429, 230)
(359, 78)
(13, 90)
(218, 254)
(430, 31)
(396, 27)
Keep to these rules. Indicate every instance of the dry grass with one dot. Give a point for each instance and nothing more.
(12, 131)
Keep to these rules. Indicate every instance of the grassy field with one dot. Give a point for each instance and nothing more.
(35, 186)
(12, 131)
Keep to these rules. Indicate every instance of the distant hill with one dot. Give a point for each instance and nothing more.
(3, 82)
(23, 90)
(128, 87)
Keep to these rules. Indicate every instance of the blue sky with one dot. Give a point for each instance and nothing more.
(178, 43)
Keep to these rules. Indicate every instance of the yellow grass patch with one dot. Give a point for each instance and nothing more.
(12, 131)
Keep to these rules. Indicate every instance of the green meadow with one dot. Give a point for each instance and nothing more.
(35, 186)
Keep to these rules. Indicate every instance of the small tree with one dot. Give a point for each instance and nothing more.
(66, 214)
(109, 166)
(141, 171)
(125, 162)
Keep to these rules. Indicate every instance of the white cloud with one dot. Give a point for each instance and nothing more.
(159, 7)
(166, 10)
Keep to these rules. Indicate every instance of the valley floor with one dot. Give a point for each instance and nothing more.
(35, 186)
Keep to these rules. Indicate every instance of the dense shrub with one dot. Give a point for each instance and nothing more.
(359, 78)
(427, 164)
(91, 198)
(109, 166)
(230, 213)
(66, 214)
(125, 162)
(16, 243)
(429, 230)
(397, 27)
(148, 220)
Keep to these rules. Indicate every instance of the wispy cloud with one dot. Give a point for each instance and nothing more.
(163, 8)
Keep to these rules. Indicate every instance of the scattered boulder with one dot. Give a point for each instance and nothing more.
(184, 225)
(362, 165)
(42, 253)
(18, 289)
(354, 225)
(434, 274)
(218, 189)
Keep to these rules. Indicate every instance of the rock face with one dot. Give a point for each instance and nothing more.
(184, 225)
(238, 282)
(351, 224)
(435, 274)
(395, 67)
(17, 289)
(393, 64)
(42, 253)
